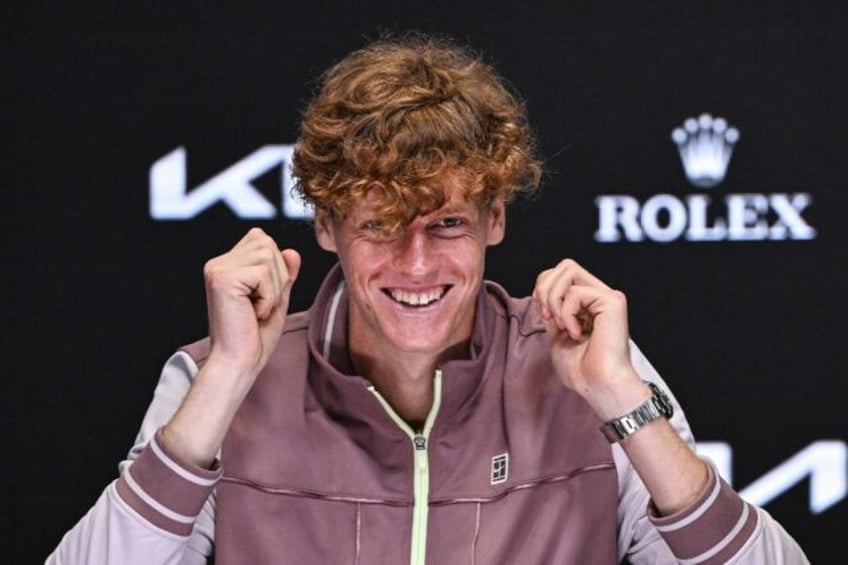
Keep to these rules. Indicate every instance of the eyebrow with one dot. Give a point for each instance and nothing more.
(455, 208)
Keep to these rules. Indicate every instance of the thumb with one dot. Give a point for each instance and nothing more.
(292, 260)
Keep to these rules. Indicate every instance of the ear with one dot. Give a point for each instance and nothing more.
(497, 222)
(324, 230)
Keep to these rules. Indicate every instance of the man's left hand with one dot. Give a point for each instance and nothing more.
(590, 348)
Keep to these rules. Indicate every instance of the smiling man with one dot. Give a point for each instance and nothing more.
(412, 294)
(416, 413)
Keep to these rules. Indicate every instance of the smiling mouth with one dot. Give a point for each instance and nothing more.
(419, 298)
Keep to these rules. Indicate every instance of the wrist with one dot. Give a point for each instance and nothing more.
(232, 364)
(617, 397)
(197, 429)
(183, 446)
(657, 406)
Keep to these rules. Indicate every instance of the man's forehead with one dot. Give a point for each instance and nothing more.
(375, 203)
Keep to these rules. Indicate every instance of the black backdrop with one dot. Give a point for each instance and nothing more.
(97, 293)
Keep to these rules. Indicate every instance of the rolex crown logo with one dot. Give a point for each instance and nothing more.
(705, 145)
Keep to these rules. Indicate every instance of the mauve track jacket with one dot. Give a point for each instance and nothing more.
(318, 469)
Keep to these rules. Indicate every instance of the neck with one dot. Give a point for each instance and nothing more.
(405, 380)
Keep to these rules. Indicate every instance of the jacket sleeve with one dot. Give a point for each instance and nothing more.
(719, 527)
(160, 510)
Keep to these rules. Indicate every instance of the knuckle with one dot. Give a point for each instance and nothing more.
(210, 268)
(266, 255)
(568, 263)
(214, 278)
(258, 239)
(543, 276)
(266, 273)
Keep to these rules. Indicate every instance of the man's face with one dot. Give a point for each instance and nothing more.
(414, 292)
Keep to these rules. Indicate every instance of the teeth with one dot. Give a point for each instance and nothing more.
(417, 298)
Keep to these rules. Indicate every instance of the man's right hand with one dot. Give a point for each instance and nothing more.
(247, 294)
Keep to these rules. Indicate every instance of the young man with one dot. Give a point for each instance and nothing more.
(416, 413)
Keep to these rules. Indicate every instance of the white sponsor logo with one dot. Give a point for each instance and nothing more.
(171, 199)
(705, 146)
(741, 217)
(500, 468)
(824, 462)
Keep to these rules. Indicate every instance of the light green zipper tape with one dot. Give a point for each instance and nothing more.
(421, 483)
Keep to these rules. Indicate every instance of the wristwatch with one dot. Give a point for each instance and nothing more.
(659, 405)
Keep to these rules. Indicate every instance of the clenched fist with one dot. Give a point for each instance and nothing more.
(247, 294)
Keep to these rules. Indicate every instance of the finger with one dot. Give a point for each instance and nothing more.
(558, 283)
(252, 235)
(284, 267)
(579, 275)
(578, 310)
(540, 293)
(292, 261)
(560, 277)
(271, 255)
(560, 311)
(575, 273)
(261, 289)
(258, 248)
(543, 291)
(587, 310)
(552, 284)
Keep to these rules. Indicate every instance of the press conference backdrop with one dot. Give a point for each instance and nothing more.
(695, 158)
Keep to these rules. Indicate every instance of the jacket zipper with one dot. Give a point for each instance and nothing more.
(421, 472)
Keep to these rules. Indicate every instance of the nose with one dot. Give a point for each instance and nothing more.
(412, 253)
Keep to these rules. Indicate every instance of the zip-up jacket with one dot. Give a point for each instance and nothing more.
(509, 467)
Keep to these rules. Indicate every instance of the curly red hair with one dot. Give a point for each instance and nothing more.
(398, 115)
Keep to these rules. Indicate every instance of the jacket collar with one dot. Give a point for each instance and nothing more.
(328, 329)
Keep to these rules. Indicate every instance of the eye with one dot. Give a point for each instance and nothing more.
(372, 225)
(375, 230)
(449, 222)
(448, 227)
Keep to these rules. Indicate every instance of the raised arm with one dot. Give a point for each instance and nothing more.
(161, 509)
(247, 292)
(699, 516)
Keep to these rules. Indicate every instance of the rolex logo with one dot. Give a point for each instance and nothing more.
(705, 147)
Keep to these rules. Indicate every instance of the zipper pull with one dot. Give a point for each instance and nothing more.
(420, 442)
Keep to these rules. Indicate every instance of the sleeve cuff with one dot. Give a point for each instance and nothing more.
(165, 490)
(713, 528)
